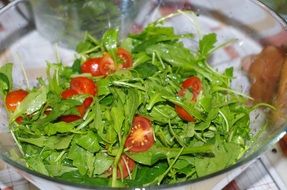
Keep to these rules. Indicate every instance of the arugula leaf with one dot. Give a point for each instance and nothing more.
(59, 169)
(82, 159)
(175, 54)
(36, 164)
(117, 117)
(52, 142)
(77, 177)
(110, 41)
(102, 163)
(4, 85)
(59, 127)
(154, 35)
(146, 174)
(145, 70)
(55, 165)
(206, 44)
(88, 141)
(224, 155)
(6, 82)
(155, 153)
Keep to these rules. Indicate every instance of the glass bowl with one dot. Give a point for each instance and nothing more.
(40, 31)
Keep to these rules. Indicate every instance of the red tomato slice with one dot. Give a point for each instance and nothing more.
(83, 85)
(14, 98)
(69, 118)
(193, 83)
(183, 114)
(88, 101)
(92, 66)
(127, 165)
(107, 65)
(68, 93)
(19, 119)
(126, 57)
(141, 136)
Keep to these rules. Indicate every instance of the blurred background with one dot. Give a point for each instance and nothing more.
(280, 6)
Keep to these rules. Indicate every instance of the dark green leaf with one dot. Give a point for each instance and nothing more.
(146, 70)
(88, 141)
(155, 153)
(102, 163)
(82, 159)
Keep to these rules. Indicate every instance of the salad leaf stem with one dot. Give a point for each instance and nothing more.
(160, 178)
(125, 84)
(225, 120)
(17, 142)
(174, 135)
(217, 88)
(160, 60)
(86, 121)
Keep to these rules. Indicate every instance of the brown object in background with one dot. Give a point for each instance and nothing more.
(283, 144)
(268, 77)
(264, 73)
(280, 102)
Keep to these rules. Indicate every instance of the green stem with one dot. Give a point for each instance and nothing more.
(217, 88)
(125, 84)
(175, 136)
(160, 178)
(225, 120)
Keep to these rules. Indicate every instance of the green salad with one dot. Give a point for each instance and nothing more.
(141, 111)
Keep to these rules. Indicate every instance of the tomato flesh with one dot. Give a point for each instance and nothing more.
(127, 165)
(14, 98)
(68, 93)
(194, 84)
(141, 136)
(183, 114)
(19, 119)
(83, 85)
(107, 65)
(69, 118)
(92, 66)
(125, 57)
(79, 85)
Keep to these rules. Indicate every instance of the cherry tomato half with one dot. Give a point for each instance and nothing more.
(183, 114)
(126, 57)
(141, 136)
(92, 66)
(14, 98)
(19, 119)
(83, 85)
(68, 93)
(107, 65)
(69, 118)
(193, 83)
(127, 165)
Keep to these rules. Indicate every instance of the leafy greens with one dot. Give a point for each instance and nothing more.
(83, 151)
